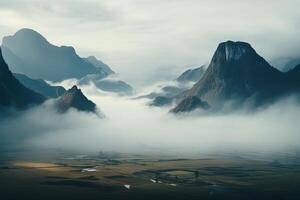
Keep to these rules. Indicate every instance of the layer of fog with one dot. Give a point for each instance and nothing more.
(132, 127)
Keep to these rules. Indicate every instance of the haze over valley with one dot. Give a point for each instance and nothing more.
(197, 101)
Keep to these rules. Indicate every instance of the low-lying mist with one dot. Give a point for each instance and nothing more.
(130, 126)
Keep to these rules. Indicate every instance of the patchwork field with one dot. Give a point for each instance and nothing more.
(145, 177)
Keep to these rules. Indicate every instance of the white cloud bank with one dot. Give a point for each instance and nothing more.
(132, 127)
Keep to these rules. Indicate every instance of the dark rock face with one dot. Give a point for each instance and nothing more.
(292, 80)
(189, 104)
(192, 75)
(74, 98)
(13, 93)
(41, 86)
(237, 73)
(28, 52)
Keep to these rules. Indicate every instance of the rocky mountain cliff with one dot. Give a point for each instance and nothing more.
(74, 98)
(13, 93)
(238, 74)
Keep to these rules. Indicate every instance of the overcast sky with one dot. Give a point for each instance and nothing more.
(146, 40)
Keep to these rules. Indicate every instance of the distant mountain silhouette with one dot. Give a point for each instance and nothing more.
(193, 75)
(108, 84)
(28, 52)
(160, 101)
(99, 64)
(286, 64)
(74, 98)
(13, 93)
(40, 86)
(238, 74)
(166, 94)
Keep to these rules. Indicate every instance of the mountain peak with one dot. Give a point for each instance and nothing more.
(28, 52)
(25, 34)
(74, 98)
(27, 31)
(231, 50)
(73, 94)
(236, 74)
(74, 88)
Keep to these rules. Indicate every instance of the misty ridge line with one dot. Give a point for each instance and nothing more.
(11, 45)
(224, 105)
(155, 99)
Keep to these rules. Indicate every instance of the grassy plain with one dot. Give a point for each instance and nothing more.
(149, 177)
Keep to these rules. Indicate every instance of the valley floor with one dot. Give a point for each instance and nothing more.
(117, 176)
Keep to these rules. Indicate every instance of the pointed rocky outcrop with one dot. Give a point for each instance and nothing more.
(74, 98)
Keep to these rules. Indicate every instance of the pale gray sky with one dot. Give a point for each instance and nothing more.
(146, 40)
